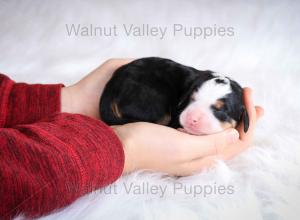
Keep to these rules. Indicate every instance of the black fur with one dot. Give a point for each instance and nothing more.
(148, 89)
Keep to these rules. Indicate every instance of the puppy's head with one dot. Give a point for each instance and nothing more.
(212, 106)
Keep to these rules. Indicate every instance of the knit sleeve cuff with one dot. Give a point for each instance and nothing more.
(30, 103)
(95, 150)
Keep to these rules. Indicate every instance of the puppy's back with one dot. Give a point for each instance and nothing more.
(143, 90)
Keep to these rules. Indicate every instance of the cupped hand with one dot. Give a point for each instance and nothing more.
(84, 96)
(160, 148)
(156, 147)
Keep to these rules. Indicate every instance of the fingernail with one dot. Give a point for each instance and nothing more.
(233, 135)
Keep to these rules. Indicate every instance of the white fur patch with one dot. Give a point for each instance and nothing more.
(211, 91)
(200, 111)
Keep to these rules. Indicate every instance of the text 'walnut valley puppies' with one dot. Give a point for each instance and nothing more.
(162, 91)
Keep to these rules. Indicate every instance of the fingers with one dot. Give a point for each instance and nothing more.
(248, 101)
(254, 113)
(115, 63)
(108, 67)
(198, 165)
(223, 145)
(259, 112)
(168, 150)
(245, 139)
(195, 147)
(182, 130)
(225, 152)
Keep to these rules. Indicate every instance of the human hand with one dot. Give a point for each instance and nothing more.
(255, 113)
(164, 149)
(84, 96)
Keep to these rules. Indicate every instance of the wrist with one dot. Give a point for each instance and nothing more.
(67, 100)
(130, 160)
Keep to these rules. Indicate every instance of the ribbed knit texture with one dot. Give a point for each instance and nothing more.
(49, 159)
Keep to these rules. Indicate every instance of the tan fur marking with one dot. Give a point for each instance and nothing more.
(219, 104)
(115, 110)
(164, 120)
(226, 125)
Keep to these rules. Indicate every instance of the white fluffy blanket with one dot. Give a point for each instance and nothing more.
(263, 53)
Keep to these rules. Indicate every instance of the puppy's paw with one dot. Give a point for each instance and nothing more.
(182, 130)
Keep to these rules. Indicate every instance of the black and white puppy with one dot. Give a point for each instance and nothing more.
(162, 91)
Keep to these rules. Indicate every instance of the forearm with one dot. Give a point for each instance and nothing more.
(22, 103)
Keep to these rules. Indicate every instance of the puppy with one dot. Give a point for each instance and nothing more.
(162, 91)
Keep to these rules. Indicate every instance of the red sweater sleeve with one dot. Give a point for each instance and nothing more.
(48, 164)
(21, 103)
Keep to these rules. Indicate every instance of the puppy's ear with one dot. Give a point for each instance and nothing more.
(245, 119)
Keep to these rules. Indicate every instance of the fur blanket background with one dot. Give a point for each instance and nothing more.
(263, 53)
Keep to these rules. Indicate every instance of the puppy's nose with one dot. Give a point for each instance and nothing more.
(194, 119)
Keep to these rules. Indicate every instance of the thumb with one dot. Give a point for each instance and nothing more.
(201, 146)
